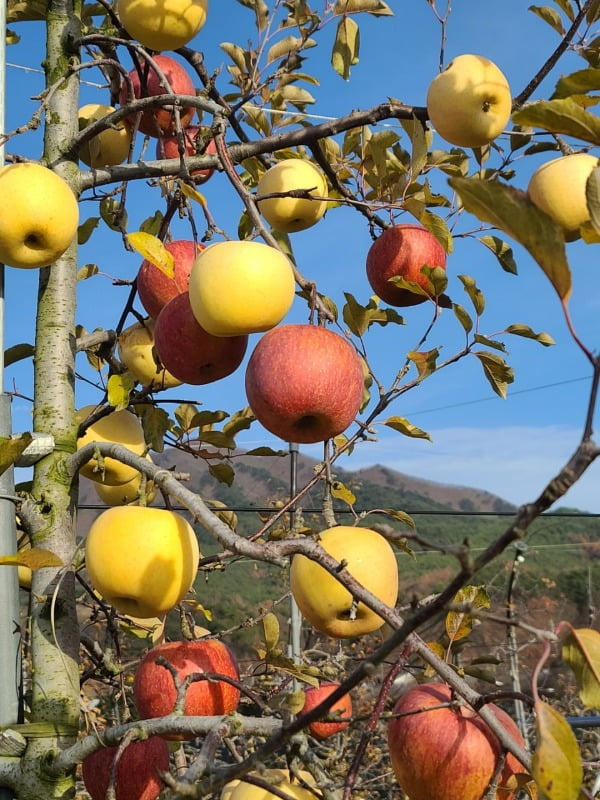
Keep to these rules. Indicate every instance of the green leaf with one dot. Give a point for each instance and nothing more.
(375, 7)
(265, 451)
(217, 439)
(551, 16)
(153, 250)
(425, 362)
(400, 516)
(403, 426)
(156, 423)
(289, 44)
(592, 194)
(524, 330)
(497, 371)
(359, 318)
(271, 631)
(119, 388)
(502, 251)
(240, 421)
(224, 473)
(510, 210)
(18, 352)
(346, 47)
(201, 418)
(261, 11)
(489, 342)
(581, 651)
(580, 82)
(463, 317)
(113, 213)
(556, 764)
(460, 623)
(152, 224)
(476, 296)
(341, 492)
(593, 12)
(564, 116)
(11, 448)
(87, 271)
(85, 230)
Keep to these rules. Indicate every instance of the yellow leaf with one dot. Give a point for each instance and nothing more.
(34, 558)
(193, 194)
(460, 623)
(271, 630)
(153, 250)
(119, 388)
(341, 492)
(581, 651)
(556, 765)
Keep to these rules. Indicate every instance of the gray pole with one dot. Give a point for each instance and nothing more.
(295, 645)
(9, 587)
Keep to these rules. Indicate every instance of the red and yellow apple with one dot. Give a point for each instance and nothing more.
(241, 287)
(469, 103)
(162, 24)
(136, 350)
(448, 753)
(155, 288)
(324, 600)
(119, 427)
(558, 187)
(291, 214)
(401, 252)
(39, 215)
(154, 688)
(315, 695)
(188, 352)
(141, 560)
(137, 774)
(110, 146)
(168, 147)
(304, 383)
(159, 121)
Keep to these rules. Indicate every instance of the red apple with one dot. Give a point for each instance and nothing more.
(447, 753)
(168, 147)
(315, 695)
(401, 251)
(154, 689)
(155, 289)
(138, 770)
(159, 121)
(196, 356)
(304, 383)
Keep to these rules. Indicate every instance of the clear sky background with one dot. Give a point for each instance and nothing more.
(510, 447)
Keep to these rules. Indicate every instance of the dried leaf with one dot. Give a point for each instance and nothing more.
(17, 353)
(425, 362)
(556, 763)
(460, 623)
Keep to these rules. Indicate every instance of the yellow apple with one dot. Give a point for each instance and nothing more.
(239, 288)
(325, 602)
(142, 560)
(137, 352)
(39, 215)
(120, 427)
(279, 778)
(558, 188)
(162, 24)
(469, 103)
(110, 146)
(127, 493)
(291, 214)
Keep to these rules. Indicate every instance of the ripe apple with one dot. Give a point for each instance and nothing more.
(190, 353)
(168, 147)
(162, 24)
(154, 689)
(400, 252)
(325, 602)
(155, 288)
(127, 493)
(120, 427)
(237, 288)
(138, 770)
(39, 215)
(304, 383)
(343, 707)
(159, 121)
(110, 146)
(291, 214)
(142, 560)
(136, 350)
(447, 753)
(282, 779)
(469, 103)
(558, 188)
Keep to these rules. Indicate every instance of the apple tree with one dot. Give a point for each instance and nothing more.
(221, 290)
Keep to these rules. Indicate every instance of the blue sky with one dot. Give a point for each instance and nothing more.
(510, 447)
